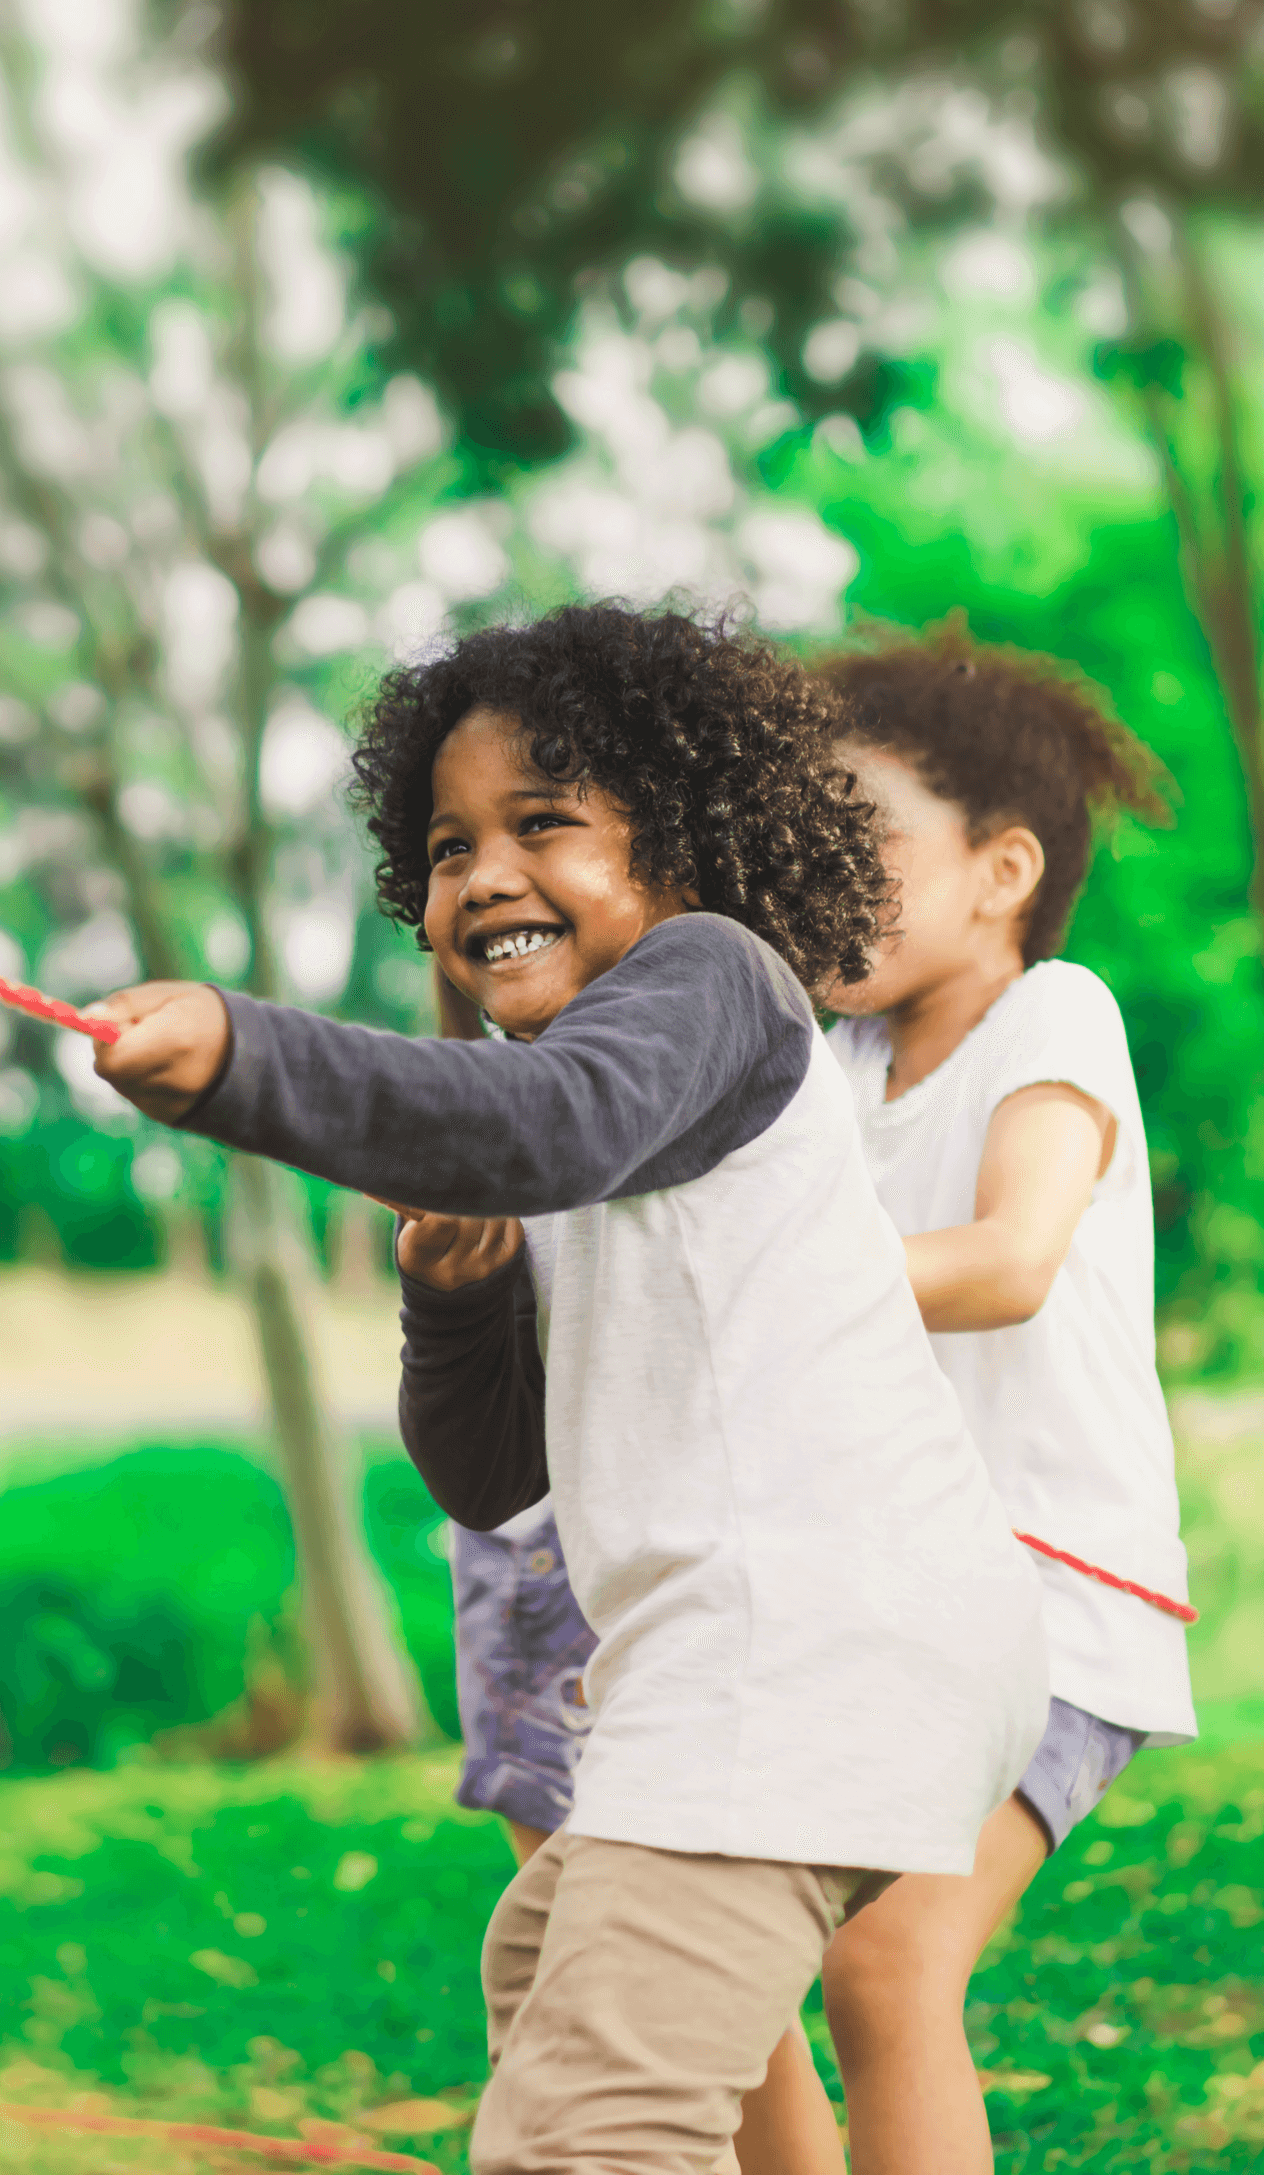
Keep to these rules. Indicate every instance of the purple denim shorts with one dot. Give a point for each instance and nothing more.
(521, 1648)
(1073, 1767)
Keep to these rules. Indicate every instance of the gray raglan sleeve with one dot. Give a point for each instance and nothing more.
(698, 1036)
(471, 1395)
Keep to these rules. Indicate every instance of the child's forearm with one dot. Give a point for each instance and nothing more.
(976, 1276)
(471, 1397)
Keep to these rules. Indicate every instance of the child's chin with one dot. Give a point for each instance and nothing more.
(526, 1012)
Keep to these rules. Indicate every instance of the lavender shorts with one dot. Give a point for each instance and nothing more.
(521, 1647)
(1073, 1767)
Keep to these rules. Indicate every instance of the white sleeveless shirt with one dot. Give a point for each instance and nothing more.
(1066, 1408)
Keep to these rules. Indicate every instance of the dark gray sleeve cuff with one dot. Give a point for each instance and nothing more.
(466, 1303)
(471, 1397)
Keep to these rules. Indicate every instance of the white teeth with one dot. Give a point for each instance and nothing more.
(516, 943)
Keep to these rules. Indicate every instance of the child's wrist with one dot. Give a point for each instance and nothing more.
(422, 1297)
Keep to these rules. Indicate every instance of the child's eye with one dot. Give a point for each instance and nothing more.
(545, 822)
(444, 850)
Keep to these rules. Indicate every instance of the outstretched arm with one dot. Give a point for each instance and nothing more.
(694, 1043)
(1046, 1147)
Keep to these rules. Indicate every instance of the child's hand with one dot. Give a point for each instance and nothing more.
(175, 1039)
(448, 1251)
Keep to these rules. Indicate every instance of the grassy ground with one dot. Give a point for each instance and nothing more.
(293, 1949)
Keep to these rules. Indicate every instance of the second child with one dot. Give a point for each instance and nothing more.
(1001, 1124)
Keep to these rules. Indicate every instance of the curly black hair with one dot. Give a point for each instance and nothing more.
(1010, 737)
(721, 751)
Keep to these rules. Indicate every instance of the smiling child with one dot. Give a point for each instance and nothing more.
(819, 1661)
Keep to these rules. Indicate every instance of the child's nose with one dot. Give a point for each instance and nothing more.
(492, 872)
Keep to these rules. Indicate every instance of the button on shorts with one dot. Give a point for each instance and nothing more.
(521, 1648)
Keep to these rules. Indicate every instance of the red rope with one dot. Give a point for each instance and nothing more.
(40, 1007)
(295, 2150)
(1163, 1601)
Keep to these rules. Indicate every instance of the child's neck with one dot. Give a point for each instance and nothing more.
(927, 1027)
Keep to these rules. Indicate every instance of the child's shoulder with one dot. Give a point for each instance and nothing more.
(1056, 993)
(714, 950)
(700, 932)
(1058, 1021)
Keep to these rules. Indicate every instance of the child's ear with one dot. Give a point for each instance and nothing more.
(1016, 863)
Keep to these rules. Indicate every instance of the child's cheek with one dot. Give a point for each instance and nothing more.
(434, 921)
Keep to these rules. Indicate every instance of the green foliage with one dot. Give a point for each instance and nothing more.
(139, 1592)
(1128, 1981)
(511, 161)
(80, 1179)
(133, 1593)
(983, 449)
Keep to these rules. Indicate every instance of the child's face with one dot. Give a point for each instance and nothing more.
(959, 905)
(531, 890)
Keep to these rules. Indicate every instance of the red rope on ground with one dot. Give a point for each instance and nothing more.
(41, 1007)
(296, 2149)
(1180, 1609)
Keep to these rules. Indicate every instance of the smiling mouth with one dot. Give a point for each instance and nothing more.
(508, 946)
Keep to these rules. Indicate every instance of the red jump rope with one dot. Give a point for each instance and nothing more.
(301, 2152)
(1180, 1609)
(41, 1007)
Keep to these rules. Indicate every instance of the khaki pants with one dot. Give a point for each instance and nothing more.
(634, 1996)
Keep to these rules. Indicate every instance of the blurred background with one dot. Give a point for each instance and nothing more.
(328, 330)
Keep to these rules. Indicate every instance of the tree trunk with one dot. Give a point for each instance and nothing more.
(1214, 542)
(366, 1691)
(1230, 608)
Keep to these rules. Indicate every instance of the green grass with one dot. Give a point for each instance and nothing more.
(181, 1941)
(248, 1947)
(291, 1943)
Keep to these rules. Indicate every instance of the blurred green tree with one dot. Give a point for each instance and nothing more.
(181, 483)
(519, 154)
(886, 326)
(525, 155)
(810, 158)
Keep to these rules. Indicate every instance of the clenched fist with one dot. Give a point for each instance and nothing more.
(175, 1039)
(448, 1251)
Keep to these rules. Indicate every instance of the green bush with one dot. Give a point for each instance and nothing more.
(133, 1592)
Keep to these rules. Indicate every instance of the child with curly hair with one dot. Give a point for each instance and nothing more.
(1000, 1122)
(820, 1663)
